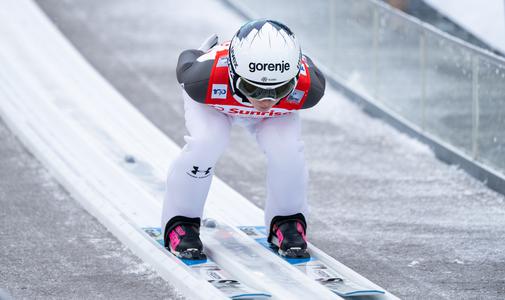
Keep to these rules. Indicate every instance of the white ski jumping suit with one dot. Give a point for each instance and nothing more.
(211, 108)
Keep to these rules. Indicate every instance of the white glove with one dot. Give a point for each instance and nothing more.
(210, 42)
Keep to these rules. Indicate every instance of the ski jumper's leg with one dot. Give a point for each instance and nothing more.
(287, 175)
(190, 174)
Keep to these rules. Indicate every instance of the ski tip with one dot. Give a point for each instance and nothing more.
(252, 296)
(359, 293)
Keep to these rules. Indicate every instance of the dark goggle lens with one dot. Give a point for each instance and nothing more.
(255, 92)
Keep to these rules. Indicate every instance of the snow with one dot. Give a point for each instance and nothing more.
(4, 295)
(335, 108)
(484, 19)
(413, 263)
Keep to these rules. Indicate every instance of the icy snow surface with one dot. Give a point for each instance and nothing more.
(51, 248)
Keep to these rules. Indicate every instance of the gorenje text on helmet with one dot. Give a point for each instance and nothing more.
(253, 67)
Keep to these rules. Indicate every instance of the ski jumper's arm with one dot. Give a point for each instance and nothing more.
(317, 85)
(194, 74)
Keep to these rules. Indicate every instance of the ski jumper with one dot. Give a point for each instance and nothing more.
(211, 108)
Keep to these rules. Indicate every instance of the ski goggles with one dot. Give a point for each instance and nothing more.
(276, 92)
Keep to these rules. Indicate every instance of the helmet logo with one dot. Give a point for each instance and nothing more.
(253, 67)
(233, 58)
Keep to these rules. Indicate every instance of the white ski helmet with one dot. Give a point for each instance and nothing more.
(264, 60)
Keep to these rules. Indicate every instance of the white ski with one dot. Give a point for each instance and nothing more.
(315, 268)
(213, 273)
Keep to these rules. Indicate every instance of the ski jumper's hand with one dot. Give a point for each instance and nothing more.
(210, 42)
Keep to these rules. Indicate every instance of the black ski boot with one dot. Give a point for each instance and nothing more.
(182, 238)
(287, 233)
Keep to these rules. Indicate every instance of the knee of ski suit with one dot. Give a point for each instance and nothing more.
(209, 147)
(280, 139)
